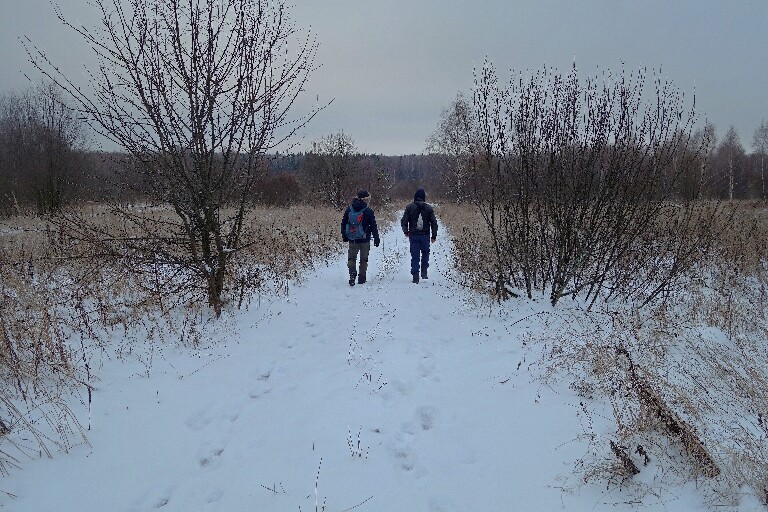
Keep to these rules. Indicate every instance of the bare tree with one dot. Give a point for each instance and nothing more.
(453, 142)
(197, 92)
(706, 139)
(333, 169)
(730, 162)
(41, 148)
(760, 143)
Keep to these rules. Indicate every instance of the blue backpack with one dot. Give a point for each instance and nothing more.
(355, 229)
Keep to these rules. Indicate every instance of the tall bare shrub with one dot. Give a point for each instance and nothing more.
(574, 178)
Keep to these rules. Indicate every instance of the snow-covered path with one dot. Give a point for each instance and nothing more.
(406, 397)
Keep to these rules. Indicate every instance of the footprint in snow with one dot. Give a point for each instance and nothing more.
(441, 504)
(198, 421)
(259, 393)
(154, 499)
(313, 332)
(406, 460)
(213, 413)
(426, 366)
(215, 496)
(210, 458)
(426, 417)
(400, 387)
(261, 390)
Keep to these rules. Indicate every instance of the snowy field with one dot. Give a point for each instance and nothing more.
(381, 397)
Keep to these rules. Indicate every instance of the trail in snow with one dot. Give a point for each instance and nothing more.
(406, 397)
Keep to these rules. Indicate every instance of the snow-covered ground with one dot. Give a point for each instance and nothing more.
(386, 396)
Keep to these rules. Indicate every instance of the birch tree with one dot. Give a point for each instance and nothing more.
(760, 143)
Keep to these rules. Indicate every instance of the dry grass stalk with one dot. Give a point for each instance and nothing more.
(673, 426)
(40, 363)
(626, 461)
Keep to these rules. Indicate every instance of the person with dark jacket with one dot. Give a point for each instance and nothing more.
(417, 222)
(357, 226)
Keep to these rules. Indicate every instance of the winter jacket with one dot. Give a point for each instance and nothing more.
(410, 217)
(369, 222)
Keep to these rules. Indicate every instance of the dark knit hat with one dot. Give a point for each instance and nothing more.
(420, 194)
(363, 194)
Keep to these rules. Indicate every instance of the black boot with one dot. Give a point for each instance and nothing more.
(424, 274)
(360, 279)
(415, 278)
(352, 279)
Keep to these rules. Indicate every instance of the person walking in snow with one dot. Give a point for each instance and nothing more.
(357, 226)
(417, 222)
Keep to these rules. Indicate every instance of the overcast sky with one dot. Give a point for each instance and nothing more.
(393, 65)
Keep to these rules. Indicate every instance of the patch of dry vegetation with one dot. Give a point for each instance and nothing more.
(471, 246)
(40, 360)
(67, 286)
(686, 375)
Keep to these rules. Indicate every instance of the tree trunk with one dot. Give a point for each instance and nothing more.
(730, 179)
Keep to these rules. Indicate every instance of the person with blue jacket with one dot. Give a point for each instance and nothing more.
(417, 223)
(358, 225)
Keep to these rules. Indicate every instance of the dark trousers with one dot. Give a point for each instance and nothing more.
(419, 253)
(354, 248)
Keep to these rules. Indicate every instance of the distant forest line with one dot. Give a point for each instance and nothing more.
(46, 162)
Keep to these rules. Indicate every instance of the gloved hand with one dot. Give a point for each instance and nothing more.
(407, 234)
(376, 242)
(434, 239)
(344, 238)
